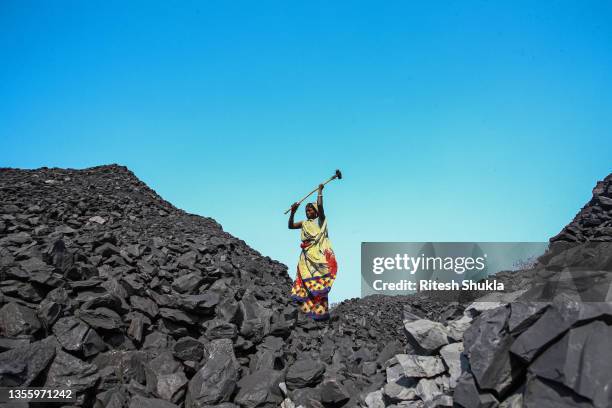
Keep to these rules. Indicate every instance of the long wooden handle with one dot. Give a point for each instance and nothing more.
(309, 194)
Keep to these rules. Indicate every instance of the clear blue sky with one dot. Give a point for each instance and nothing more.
(452, 120)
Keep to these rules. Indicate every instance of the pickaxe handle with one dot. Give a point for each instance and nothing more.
(338, 175)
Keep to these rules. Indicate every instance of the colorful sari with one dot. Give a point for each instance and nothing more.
(316, 270)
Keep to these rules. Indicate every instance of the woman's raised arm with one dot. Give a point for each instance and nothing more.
(294, 225)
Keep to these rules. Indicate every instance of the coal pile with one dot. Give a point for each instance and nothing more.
(111, 290)
(545, 342)
(594, 221)
(551, 346)
(122, 295)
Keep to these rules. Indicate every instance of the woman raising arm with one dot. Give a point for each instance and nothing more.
(294, 225)
(317, 264)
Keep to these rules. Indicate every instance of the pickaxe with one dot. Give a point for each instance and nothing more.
(337, 175)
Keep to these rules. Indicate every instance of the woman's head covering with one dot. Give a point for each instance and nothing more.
(315, 206)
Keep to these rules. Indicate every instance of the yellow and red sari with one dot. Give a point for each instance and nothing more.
(316, 270)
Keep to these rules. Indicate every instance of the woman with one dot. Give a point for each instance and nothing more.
(317, 266)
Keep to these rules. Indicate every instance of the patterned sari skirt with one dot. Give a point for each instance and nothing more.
(316, 272)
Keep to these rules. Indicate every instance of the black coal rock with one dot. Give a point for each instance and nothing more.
(69, 370)
(261, 388)
(16, 319)
(216, 381)
(22, 365)
(304, 373)
(142, 402)
(188, 348)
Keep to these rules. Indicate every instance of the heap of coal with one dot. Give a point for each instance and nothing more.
(112, 291)
(133, 302)
(594, 221)
(550, 345)
(543, 343)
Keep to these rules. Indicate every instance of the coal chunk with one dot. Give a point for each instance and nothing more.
(260, 388)
(427, 336)
(304, 373)
(333, 393)
(70, 332)
(542, 393)
(22, 365)
(17, 319)
(67, 369)
(188, 348)
(576, 362)
(176, 315)
(101, 318)
(216, 381)
(145, 305)
(487, 343)
(203, 303)
(188, 283)
(141, 402)
(165, 377)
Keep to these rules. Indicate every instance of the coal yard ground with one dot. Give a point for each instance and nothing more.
(111, 291)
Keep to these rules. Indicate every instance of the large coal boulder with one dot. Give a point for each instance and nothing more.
(304, 373)
(260, 389)
(487, 344)
(216, 381)
(577, 362)
(16, 319)
(425, 335)
(22, 365)
(561, 358)
(165, 377)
